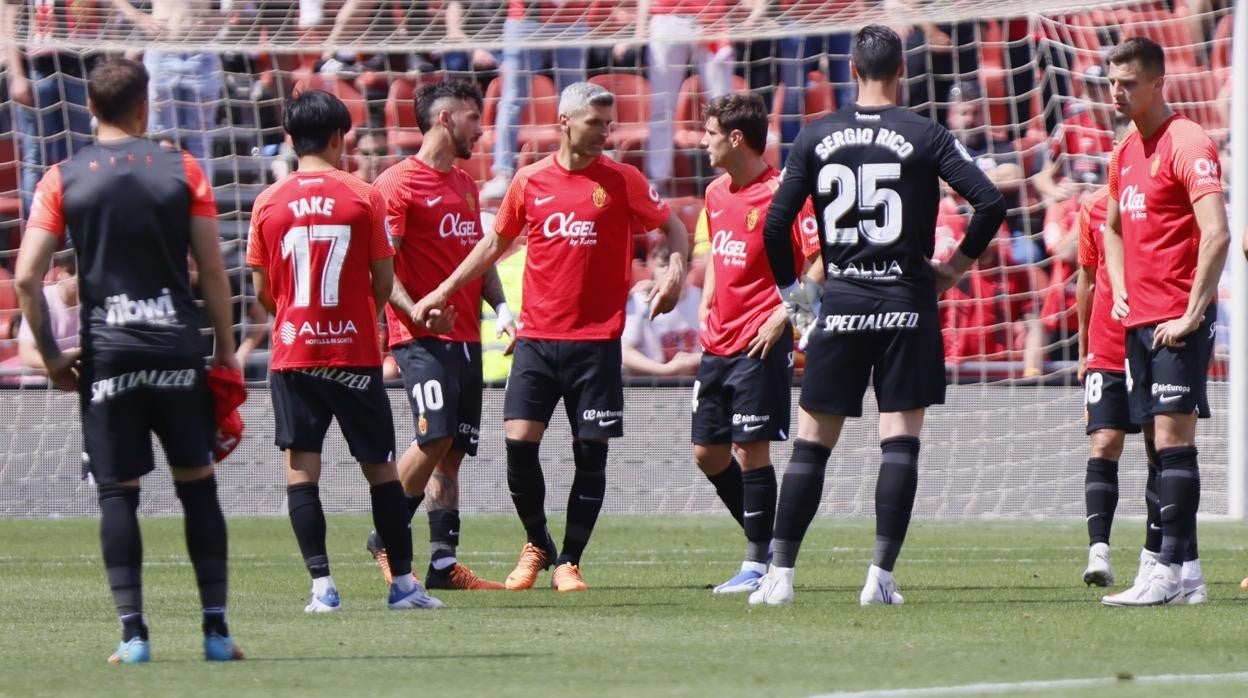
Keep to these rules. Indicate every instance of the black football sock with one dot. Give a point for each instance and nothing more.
(393, 525)
(528, 490)
(122, 544)
(589, 486)
(208, 547)
(1152, 505)
(894, 498)
(1193, 551)
(760, 512)
(307, 518)
(1100, 497)
(443, 537)
(729, 487)
(800, 493)
(1178, 486)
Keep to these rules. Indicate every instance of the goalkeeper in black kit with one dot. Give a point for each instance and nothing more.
(872, 170)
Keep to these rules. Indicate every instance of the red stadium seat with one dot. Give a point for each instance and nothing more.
(538, 128)
(339, 88)
(691, 101)
(1195, 95)
(820, 98)
(632, 109)
(404, 134)
(10, 175)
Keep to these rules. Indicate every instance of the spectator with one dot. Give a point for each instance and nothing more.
(1079, 148)
(48, 84)
(528, 20)
(184, 88)
(62, 296)
(1061, 240)
(372, 155)
(462, 64)
(967, 119)
(671, 27)
(668, 344)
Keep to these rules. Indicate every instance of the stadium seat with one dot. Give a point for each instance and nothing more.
(10, 194)
(1220, 51)
(341, 89)
(1195, 95)
(1160, 25)
(404, 134)
(632, 109)
(820, 97)
(539, 118)
(691, 101)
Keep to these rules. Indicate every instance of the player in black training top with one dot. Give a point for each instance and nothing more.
(872, 170)
(136, 210)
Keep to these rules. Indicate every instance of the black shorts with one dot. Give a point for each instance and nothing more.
(585, 374)
(739, 399)
(443, 382)
(1166, 380)
(1105, 402)
(305, 399)
(124, 398)
(884, 341)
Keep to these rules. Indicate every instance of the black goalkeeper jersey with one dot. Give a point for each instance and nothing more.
(872, 173)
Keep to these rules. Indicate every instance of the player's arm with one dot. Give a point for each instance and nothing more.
(795, 187)
(504, 320)
(264, 292)
(665, 294)
(44, 232)
(383, 280)
(215, 287)
(1083, 308)
(482, 258)
(1215, 238)
(954, 165)
(708, 291)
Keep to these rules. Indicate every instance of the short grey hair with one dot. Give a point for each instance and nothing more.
(580, 96)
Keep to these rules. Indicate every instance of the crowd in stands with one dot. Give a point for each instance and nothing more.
(1027, 97)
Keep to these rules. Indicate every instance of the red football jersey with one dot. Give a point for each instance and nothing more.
(315, 233)
(1106, 337)
(579, 260)
(437, 219)
(745, 291)
(1155, 183)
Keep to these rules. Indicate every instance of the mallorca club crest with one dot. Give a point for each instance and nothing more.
(600, 196)
(422, 424)
(751, 218)
(1152, 171)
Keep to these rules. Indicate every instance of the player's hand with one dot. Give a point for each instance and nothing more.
(770, 333)
(946, 276)
(1171, 332)
(665, 294)
(1081, 369)
(64, 370)
(228, 360)
(1120, 310)
(799, 301)
(441, 321)
(19, 90)
(505, 324)
(425, 307)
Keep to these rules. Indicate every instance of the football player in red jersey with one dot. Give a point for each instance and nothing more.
(435, 221)
(136, 211)
(741, 397)
(579, 208)
(323, 265)
(1165, 239)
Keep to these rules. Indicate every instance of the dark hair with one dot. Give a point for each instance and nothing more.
(876, 52)
(116, 88)
(1150, 55)
(742, 111)
(312, 118)
(428, 95)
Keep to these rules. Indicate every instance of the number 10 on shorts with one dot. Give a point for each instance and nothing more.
(428, 396)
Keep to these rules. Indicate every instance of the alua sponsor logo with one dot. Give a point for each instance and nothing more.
(319, 332)
(123, 311)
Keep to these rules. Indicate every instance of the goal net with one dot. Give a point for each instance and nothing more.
(1022, 83)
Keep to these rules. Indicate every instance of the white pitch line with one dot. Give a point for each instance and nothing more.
(979, 689)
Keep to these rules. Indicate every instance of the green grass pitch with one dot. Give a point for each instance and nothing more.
(985, 602)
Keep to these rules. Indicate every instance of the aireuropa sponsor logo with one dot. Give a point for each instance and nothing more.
(1163, 388)
(122, 311)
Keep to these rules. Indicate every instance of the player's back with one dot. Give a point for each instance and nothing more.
(128, 206)
(874, 173)
(317, 233)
